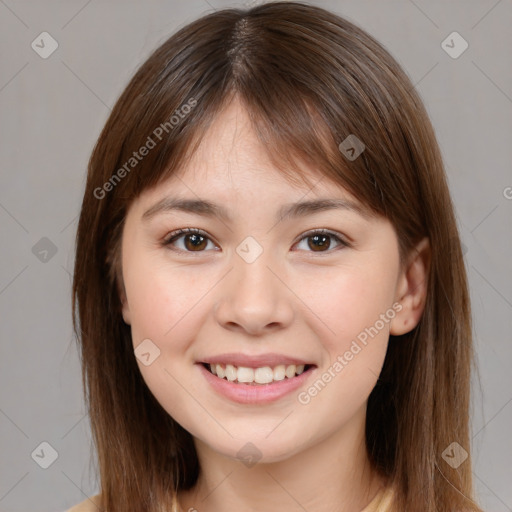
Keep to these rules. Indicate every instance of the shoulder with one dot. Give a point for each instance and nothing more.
(91, 504)
(381, 501)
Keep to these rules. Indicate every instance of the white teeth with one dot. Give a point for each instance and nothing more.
(263, 375)
(220, 371)
(231, 372)
(245, 374)
(290, 371)
(279, 372)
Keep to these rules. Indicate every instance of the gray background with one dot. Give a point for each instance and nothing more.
(52, 111)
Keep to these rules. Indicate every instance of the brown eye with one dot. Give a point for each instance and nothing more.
(195, 242)
(321, 241)
(188, 240)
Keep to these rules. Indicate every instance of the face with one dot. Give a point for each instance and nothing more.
(291, 306)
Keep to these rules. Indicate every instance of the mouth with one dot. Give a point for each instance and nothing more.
(261, 376)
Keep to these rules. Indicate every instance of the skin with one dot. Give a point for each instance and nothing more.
(291, 300)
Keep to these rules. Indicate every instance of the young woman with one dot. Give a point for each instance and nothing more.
(271, 299)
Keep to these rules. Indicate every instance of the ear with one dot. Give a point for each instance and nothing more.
(126, 311)
(114, 263)
(411, 291)
(124, 303)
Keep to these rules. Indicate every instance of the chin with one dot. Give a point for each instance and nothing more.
(253, 450)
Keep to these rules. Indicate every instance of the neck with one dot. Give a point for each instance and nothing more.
(331, 475)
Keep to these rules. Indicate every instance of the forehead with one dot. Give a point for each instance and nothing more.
(230, 153)
(232, 158)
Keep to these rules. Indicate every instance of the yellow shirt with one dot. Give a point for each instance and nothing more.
(380, 503)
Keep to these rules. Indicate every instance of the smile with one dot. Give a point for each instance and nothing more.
(255, 381)
(256, 376)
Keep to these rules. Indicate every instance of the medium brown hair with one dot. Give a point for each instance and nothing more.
(308, 80)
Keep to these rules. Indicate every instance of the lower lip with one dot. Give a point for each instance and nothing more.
(255, 394)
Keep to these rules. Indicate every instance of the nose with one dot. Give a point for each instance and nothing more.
(254, 298)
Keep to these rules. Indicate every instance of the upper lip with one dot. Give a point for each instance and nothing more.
(255, 361)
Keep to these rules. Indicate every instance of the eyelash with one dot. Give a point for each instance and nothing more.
(175, 235)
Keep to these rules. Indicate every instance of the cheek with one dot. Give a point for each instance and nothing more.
(150, 304)
(349, 301)
(160, 297)
(164, 308)
(357, 311)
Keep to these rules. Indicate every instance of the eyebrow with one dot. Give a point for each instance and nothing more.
(208, 209)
